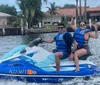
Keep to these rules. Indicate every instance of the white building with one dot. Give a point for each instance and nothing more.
(92, 13)
(4, 19)
(51, 19)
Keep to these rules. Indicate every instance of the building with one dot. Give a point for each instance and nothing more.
(92, 13)
(4, 19)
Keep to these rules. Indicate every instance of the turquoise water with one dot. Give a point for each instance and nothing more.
(9, 42)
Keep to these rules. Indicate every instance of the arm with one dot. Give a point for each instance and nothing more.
(74, 46)
(95, 33)
(49, 41)
(73, 24)
(73, 50)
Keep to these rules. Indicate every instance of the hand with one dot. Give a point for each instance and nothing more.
(41, 45)
(95, 27)
(48, 41)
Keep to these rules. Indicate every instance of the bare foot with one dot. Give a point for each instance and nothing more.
(77, 69)
(57, 70)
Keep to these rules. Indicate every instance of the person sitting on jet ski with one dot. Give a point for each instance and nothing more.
(64, 42)
(81, 38)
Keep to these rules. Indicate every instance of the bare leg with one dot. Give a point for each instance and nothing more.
(57, 63)
(57, 60)
(79, 53)
(76, 60)
(71, 57)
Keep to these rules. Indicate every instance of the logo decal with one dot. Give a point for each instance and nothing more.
(29, 72)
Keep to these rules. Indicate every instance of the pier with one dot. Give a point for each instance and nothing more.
(11, 31)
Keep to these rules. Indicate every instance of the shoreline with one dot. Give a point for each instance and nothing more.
(17, 31)
(42, 30)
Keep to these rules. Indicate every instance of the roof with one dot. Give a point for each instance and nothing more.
(93, 9)
(72, 11)
(4, 15)
(66, 12)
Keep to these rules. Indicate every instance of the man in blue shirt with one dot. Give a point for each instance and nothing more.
(64, 42)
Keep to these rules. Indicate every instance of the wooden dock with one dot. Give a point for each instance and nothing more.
(11, 31)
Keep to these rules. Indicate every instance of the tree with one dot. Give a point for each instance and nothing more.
(80, 11)
(76, 9)
(38, 16)
(58, 7)
(85, 10)
(69, 6)
(8, 9)
(28, 8)
(13, 21)
(52, 10)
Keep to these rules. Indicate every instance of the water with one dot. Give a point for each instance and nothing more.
(9, 42)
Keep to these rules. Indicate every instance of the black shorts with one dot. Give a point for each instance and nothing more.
(85, 47)
(88, 52)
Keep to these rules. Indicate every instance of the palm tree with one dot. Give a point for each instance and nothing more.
(80, 10)
(85, 9)
(76, 9)
(52, 10)
(28, 8)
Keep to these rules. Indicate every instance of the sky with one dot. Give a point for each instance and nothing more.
(92, 3)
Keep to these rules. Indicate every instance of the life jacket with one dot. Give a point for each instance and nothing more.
(61, 45)
(79, 37)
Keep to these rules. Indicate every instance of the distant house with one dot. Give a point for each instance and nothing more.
(92, 13)
(4, 19)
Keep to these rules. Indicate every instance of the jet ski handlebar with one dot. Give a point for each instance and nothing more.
(35, 42)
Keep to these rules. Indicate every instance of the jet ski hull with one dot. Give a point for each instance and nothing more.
(23, 71)
(38, 65)
(36, 79)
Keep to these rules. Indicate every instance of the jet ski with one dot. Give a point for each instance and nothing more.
(35, 64)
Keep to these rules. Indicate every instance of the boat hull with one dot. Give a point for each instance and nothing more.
(38, 65)
(39, 78)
